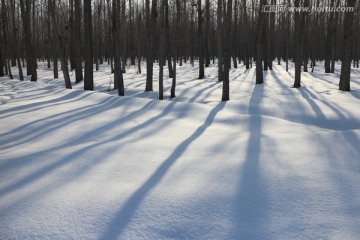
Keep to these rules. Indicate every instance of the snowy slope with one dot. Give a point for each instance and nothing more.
(272, 163)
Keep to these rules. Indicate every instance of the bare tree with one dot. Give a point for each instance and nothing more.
(161, 50)
(259, 39)
(175, 49)
(60, 46)
(30, 54)
(118, 77)
(227, 55)
(297, 41)
(344, 83)
(77, 42)
(88, 45)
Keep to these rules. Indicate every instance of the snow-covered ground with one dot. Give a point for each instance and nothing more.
(274, 162)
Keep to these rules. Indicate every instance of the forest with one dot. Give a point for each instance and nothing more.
(180, 119)
(81, 34)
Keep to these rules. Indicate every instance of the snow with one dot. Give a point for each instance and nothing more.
(274, 162)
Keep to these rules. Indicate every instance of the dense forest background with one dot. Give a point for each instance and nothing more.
(81, 35)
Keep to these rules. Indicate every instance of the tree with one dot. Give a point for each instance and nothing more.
(59, 44)
(118, 77)
(88, 45)
(200, 41)
(150, 49)
(15, 41)
(259, 39)
(161, 50)
(227, 55)
(219, 40)
(344, 83)
(297, 41)
(178, 17)
(30, 54)
(77, 42)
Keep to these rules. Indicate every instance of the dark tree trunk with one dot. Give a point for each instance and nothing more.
(227, 55)
(219, 41)
(77, 41)
(161, 50)
(59, 45)
(178, 16)
(88, 46)
(207, 33)
(168, 43)
(333, 39)
(150, 49)
(118, 77)
(259, 39)
(200, 41)
(297, 42)
(29, 50)
(16, 42)
(344, 83)
(72, 36)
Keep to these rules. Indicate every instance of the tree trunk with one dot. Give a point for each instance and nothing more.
(77, 41)
(118, 77)
(259, 28)
(161, 50)
(297, 41)
(88, 46)
(344, 83)
(59, 45)
(16, 42)
(178, 16)
(168, 43)
(30, 54)
(200, 41)
(333, 39)
(227, 55)
(150, 49)
(219, 41)
(207, 33)
(72, 35)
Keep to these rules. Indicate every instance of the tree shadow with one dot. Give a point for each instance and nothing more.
(119, 223)
(252, 203)
(76, 154)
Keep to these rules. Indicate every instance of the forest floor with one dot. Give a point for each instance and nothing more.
(274, 162)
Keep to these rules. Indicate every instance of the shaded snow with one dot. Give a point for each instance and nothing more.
(272, 163)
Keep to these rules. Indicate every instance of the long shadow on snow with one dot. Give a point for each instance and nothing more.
(125, 214)
(73, 156)
(56, 121)
(250, 214)
(343, 123)
(45, 104)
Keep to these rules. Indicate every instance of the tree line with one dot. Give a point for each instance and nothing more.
(82, 34)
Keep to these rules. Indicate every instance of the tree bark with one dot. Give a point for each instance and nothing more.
(297, 42)
(200, 41)
(118, 77)
(88, 46)
(161, 50)
(150, 50)
(178, 16)
(227, 55)
(29, 50)
(219, 41)
(77, 42)
(344, 83)
(59, 45)
(259, 28)
(16, 42)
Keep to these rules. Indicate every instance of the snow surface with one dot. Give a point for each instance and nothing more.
(274, 162)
